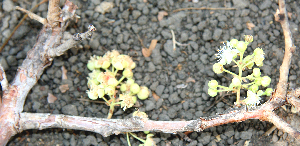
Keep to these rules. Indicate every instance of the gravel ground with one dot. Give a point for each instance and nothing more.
(120, 29)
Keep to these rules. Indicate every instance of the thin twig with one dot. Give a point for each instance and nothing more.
(175, 42)
(202, 8)
(32, 15)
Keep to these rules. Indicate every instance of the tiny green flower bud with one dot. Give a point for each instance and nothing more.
(91, 65)
(258, 81)
(268, 92)
(260, 93)
(123, 87)
(149, 141)
(92, 82)
(130, 81)
(118, 65)
(234, 42)
(256, 72)
(132, 66)
(218, 68)
(92, 94)
(236, 82)
(105, 64)
(128, 73)
(109, 90)
(212, 92)
(248, 38)
(134, 99)
(135, 88)
(265, 81)
(100, 93)
(258, 51)
(140, 114)
(146, 132)
(144, 93)
(213, 84)
(241, 46)
(253, 88)
(112, 82)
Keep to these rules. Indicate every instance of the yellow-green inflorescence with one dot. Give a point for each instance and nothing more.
(233, 51)
(110, 73)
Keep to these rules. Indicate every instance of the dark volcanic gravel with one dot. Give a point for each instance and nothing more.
(162, 72)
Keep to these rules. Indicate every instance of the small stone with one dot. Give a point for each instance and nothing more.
(159, 90)
(240, 3)
(217, 34)
(168, 47)
(246, 134)
(149, 105)
(4, 63)
(70, 109)
(104, 7)
(8, 5)
(174, 98)
(265, 5)
(136, 14)
(207, 35)
(151, 67)
(142, 20)
(90, 140)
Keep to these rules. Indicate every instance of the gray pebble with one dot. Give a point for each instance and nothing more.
(157, 58)
(207, 35)
(36, 105)
(70, 109)
(8, 5)
(136, 14)
(201, 25)
(246, 134)
(217, 34)
(265, 5)
(184, 37)
(240, 3)
(119, 39)
(90, 140)
(204, 138)
(73, 59)
(204, 59)
(22, 31)
(195, 57)
(172, 112)
(222, 18)
(159, 90)
(168, 47)
(142, 20)
(4, 63)
(174, 98)
(11, 60)
(94, 44)
(151, 67)
(253, 7)
(149, 105)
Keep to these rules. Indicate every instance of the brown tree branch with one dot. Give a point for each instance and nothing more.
(281, 16)
(38, 58)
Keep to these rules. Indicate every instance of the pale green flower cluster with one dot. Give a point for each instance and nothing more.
(103, 81)
(229, 53)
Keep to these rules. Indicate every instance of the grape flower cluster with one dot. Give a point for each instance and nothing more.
(229, 53)
(109, 73)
